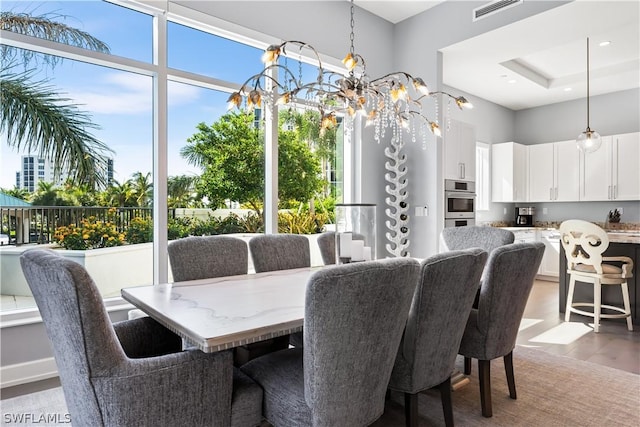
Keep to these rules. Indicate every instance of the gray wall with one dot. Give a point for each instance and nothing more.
(611, 114)
(417, 42)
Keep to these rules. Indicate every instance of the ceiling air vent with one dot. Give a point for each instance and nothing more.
(493, 7)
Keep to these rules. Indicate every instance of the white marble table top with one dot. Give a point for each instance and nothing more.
(226, 312)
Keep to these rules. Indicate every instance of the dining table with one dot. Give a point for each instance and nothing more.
(227, 312)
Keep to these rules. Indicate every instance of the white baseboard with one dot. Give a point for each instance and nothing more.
(23, 373)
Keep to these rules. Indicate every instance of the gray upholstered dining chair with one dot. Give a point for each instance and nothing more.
(205, 257)
(474, 236)
(131, 372)
(439, 311)
(327, 245)
(354, 317)
(492, 328)
(271, 252)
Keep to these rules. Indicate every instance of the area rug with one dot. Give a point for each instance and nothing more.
(552, 391)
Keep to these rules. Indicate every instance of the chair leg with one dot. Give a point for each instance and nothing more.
(597, 309)
(445, 396)
(627, 306)
(508, 369)
(567, 310)
(467, 365)
(411, 409)
(484, 374)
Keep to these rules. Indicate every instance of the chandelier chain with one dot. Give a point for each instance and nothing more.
(352, 23)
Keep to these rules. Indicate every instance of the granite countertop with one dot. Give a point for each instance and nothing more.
(624, 232)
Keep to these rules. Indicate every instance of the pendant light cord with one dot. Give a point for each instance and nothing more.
(588, 128)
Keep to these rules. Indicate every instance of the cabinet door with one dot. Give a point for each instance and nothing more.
(567, 171)
(626, 167)
(596, 173)
(460, 152)
(519, 173)
(541, 173)
(550, 265)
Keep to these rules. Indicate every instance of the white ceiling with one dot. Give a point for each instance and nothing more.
(530, 63)
(396, 11)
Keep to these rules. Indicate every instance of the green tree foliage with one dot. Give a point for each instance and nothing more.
(181, 191)
(48, 194)
(231, 153)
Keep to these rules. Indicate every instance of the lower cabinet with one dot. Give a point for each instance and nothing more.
(550, 265)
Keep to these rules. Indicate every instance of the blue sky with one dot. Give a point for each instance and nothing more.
(121, 102)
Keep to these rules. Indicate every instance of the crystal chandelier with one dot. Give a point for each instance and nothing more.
(589, 140)
(393, 100)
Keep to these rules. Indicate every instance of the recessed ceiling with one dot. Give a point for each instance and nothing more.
(540, 60)
(396, 11)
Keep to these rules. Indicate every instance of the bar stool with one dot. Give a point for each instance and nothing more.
(584, 243)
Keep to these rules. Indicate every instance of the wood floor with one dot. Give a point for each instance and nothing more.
(542, 327)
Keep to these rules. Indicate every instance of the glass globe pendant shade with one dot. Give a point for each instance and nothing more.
(589, 141)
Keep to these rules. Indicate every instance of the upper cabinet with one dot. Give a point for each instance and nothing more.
(612, 172)
(554, 172)
(508, 172)
(460, 152)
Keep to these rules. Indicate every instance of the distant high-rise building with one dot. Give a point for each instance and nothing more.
(109, 172)
(35, 169)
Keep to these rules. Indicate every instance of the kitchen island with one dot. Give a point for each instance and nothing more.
(620, 244)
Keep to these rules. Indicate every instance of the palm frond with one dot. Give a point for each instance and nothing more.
(44, 27)
(36, 118)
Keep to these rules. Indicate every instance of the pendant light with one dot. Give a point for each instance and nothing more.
(589, 140)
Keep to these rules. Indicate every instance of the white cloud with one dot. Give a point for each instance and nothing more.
(128, 93)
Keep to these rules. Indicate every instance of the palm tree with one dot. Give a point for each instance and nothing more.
(121, 194)
(35, 117)
(143, 188)
(180, 191)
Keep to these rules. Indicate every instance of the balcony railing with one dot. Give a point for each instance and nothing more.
(37, 224)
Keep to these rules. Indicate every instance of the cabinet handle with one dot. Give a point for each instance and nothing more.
(609, 192)
(460, 172)
(556, 197)
(615, 191)
(550, 193)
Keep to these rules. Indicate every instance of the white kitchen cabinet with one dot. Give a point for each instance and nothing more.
(508, 172)
(626, 166)
(460, 151)
(525, 235)
(550, 265)
(612, 172)
(554, 172)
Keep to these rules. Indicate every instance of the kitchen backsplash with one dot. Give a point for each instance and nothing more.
(556, 224)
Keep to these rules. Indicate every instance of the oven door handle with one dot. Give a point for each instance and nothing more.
(460, 195)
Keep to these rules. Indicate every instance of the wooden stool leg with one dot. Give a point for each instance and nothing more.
(567, 310)
(627, 306)
(597, 298)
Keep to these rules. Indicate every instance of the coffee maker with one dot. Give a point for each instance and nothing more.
(524, 216)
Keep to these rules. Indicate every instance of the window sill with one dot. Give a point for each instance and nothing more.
(27, 316)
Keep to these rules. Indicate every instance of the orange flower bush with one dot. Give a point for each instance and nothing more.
(90, 234)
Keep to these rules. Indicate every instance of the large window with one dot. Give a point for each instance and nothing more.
(145, 113)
